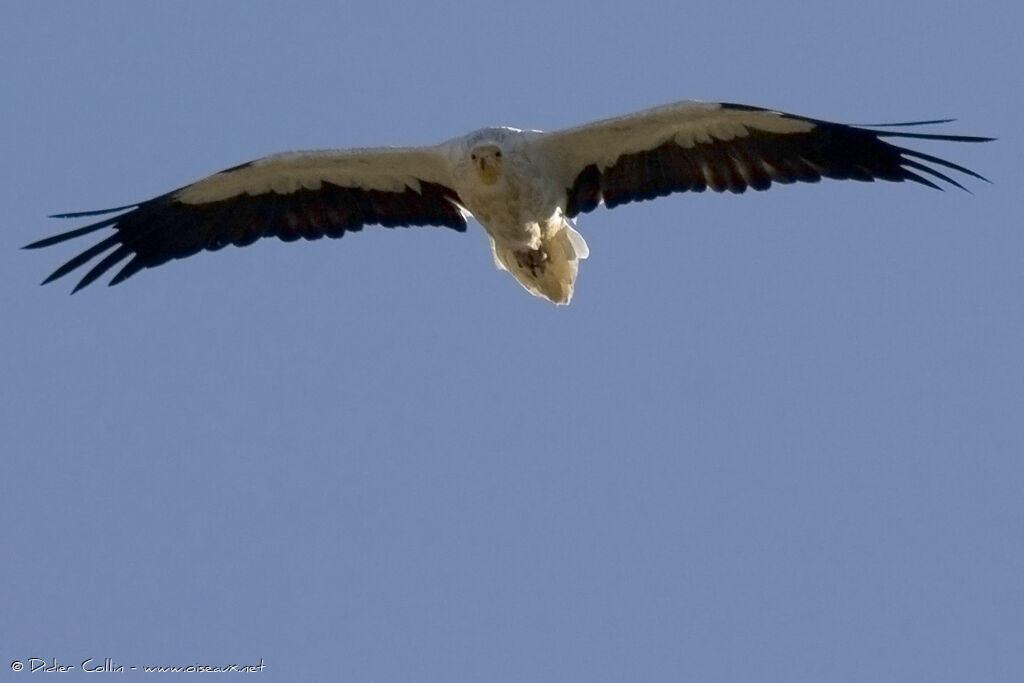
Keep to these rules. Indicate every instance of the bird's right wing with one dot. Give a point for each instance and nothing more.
(290, 196)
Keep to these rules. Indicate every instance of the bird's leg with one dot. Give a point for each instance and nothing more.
(533, 259)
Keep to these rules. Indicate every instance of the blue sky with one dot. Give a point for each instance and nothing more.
(775, 437)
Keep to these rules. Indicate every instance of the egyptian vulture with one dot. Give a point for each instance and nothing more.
(524, 187)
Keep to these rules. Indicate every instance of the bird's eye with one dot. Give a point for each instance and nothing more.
(498, 154)
(473, 157)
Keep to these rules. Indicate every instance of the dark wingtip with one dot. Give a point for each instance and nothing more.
(917, 178)
(932, 136)
(71, 234)
(932, 122)
(96, 212)
(51, 278)
(109, 261)
(129, 269)
(45, 242)
(84, 257)
(943, 162)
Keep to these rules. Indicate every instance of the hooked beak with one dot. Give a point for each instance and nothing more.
(489, 170)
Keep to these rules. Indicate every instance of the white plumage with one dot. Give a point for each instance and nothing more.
(523, 187)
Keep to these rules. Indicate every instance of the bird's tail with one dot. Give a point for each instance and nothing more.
(550, 270)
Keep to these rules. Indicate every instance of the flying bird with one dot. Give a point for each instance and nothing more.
(524, 187)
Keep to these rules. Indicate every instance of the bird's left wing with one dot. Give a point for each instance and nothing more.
(290, 196)
(693, 146)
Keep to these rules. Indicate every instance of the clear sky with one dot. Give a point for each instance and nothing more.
(775, 437)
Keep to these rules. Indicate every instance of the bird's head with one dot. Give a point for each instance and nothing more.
(487, 162)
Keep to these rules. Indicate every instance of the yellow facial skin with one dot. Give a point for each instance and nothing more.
(487, 162)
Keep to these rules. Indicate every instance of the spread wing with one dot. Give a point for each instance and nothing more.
(292, 195)
(692, 146)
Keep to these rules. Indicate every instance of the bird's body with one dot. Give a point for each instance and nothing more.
(523, 215)
(523, 187)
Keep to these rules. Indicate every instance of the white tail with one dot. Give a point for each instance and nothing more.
(550, 270)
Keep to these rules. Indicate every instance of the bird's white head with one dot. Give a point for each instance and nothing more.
(486, 152)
